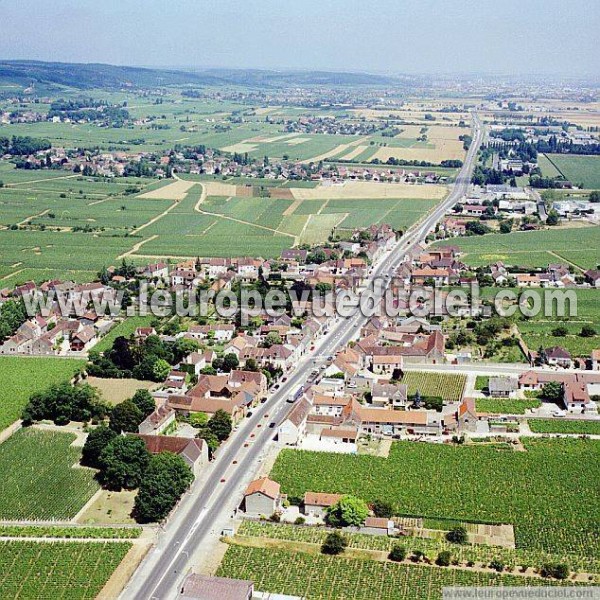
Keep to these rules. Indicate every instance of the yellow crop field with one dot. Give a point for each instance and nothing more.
(368, 189)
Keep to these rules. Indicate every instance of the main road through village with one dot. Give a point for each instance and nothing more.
(160, 574)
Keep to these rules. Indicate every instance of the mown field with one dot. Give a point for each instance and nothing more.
(22, 376)
(448, 386)
(566, 426)
(329, 578)
(580, 246)
(68, 570)
(537, 491)
(576, 169)
(41, 479)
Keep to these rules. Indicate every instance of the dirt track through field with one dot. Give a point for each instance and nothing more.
(228, 218)
(136, 247)
(173, 191)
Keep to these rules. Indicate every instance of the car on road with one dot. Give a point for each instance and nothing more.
(272, 425)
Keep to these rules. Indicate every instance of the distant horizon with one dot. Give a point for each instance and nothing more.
(190, 68)
(543, 37)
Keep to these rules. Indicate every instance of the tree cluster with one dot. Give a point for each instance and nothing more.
(125, 463)
(149, 359)
(64, 403)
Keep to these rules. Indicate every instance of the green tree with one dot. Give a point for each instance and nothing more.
(458, 535)
(348, 511)
(560, 331)
(95, 443)
(552, 391)
(497, 565)
(230, 362)
(220, 424)
(587, 331)
(383, 508)
(160, 369)
(397, 553)
(334, 543)
(556, 570)
(444, 558)
(271, 339)
(144, 401)
(594, 196)
(212, 441)
(126, 417)
(123, 463)
(165, 479)
(553, 218)
(506, 226)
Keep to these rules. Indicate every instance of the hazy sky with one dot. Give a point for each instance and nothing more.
(433, 36)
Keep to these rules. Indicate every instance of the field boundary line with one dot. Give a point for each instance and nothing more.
(11, 274)
(33, 217)
(136, 247)
(156, 218)
(554, 165)
(8, 185)
(551, 252)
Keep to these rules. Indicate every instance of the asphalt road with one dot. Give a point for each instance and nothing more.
(161, 572)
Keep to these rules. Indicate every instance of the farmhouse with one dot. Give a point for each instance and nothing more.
(263, 497)
(316, 503)
(202, 587)
(194, 451)
(293, 429)
(156, 422)
(502, 387)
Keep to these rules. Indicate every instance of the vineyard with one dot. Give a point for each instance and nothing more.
(326, 577)
(567, 426)
(38, 478)
(538, 491)
(448, 386)
(66, 532)
(66, 570)
(505, 406)
(430, 547)
(16, 389)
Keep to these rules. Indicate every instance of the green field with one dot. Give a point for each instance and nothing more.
(41, 479)
(329, 578)
(54, 241)
(448, 386)
(505, 406)
(566, 426)
(123, 329)
(537, 331)
(430, 546)
(580, 246)
(68, 570)
(576, 169)
(22, 376)
(537, 491)
(67, 532)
